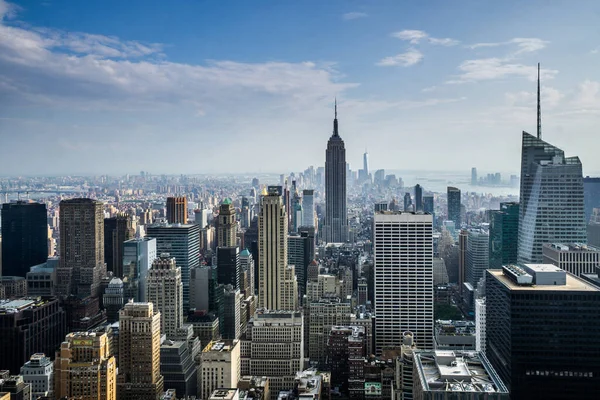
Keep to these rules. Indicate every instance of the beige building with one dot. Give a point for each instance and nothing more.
(274, 348)
(84, 368)
(277, 288)
(165, 292)
(325, 284)
(323, 315)
(177, 210)
(139, 353)
(220, 367)
(226, 225)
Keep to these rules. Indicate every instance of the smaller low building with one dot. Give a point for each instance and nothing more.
(455, 335)
(456, 375)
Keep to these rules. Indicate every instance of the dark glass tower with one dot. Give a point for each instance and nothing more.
(591, 196)
(504, 233)
(116, 232)
(551, 203)
(24, 237)
(454, 206)
(336, 222)
(418, 197)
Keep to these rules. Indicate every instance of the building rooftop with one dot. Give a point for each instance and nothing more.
(573, 283)
(225, 394)
(220, 346)
(450, 371)
(572, 247)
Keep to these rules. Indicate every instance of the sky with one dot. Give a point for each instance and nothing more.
(116, 87)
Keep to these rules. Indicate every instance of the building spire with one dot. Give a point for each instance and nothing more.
(539, 108)
(335, 121)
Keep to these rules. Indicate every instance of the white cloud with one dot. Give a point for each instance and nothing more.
(524, 45)
(406, 59)
(354, 15)
(497, 68)
(550, 98)
(415, 36)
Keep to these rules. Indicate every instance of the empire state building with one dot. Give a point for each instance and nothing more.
(335, 229)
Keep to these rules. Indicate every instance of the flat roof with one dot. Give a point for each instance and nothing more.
(573, 283)
(581, 247)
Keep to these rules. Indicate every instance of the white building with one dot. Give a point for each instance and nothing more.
(480, 325)
(220, 367)
(575, 258)
(477, 257)
(39, 373)
(308, 208)
(165, 291)
(403, 257)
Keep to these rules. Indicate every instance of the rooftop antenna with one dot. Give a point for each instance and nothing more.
(539, 108)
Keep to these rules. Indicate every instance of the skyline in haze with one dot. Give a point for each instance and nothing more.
(112, 88)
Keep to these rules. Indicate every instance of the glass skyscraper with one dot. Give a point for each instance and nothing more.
(504, 233)
(454, 206)
(551, 204)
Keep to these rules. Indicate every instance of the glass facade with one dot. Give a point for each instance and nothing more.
(504, 233)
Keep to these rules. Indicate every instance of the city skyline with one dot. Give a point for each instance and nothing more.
(93, 88)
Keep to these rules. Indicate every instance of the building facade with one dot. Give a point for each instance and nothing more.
(477, 255)
(177, 210)
(575, 258)
(504, 235)
(116, 231)
(454, 206)
(226, 225)
(220, 366)
(165, 292)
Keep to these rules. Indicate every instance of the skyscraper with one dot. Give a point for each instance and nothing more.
(277, 286)
(81, 266)
(181, 241)
(428, 207)
(299, 256)
(139, 353)
(229, 270)
(138, 256)
(473, 176)
(504, 233)
(308, 208)
(591, 196)
(542, 332)
(551, 200)
(165, 292)
(418, 197)
(403, 256)
(407, 202)
(478, 243)
(226, 225)
(177, 210)
(454, 206)
(24, 237)
(116, 231)
(335, 229)
(366, 163)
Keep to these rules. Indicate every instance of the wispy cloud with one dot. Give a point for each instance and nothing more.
(416, 36)
(496, 68)
(406, 59)
(524, 45)
(354, 15)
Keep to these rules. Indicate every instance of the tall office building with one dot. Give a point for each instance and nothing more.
(229, 317)
(463, 242)
(178, 368)
(226, 225)
(335, 229)
(542, 332)
(299, 256)
(220, 366)
(177, 210)
(504, 233)
(229, 271)
(454, 206)
(407, 202)
(477, 261)
(138, 256)
(473, 176)
(403, 256)
(181, 241)
(139, 353)
(116, 231)
(24, 237)
(278, 288)
(591, 196)
(247, 267)
(113, 299)
(366, 163)
(575, 258)
(428, 207)
(418, 198)
(81, 266)
(551, 199)
(308, 207)
(165, 292)
(29, 326)
(85, 368)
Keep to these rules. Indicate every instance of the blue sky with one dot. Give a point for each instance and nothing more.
(238, 86)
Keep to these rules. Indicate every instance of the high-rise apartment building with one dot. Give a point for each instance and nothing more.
(139, 353)
(181, 241)
(85, 368)
(504, 234)
(403, 257)
(24, 237)
(138, 256)
(177, 210)
(477, 255)
(541, 332)
(29, 326)
(278, 288)
(274, 347)
(551, 199)
(575, 258)
(454, 206)
(419, 198)
(335, 229)
(39, 373)
(81, 266)
(226, 225)
(220, 366)
(165, 292)
(116, 231)
(591, 196)
(308, 207)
